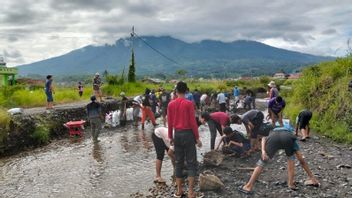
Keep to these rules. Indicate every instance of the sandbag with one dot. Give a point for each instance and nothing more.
(208, 181)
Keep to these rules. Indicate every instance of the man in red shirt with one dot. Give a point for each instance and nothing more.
(217, 121)
(183, 134)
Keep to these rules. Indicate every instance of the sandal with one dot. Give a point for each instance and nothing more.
(159, 180)
(294, 188)
(177, 195)
(311, 183)
(246, 192)
(197, 195)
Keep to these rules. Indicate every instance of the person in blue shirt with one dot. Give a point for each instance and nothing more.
(236, 94)
(49, 90)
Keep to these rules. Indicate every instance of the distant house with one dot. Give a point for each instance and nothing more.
(279, 75)
(295, 76)
(246, 78)
(153, 80)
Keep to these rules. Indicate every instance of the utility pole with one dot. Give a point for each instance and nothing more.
(132, 38)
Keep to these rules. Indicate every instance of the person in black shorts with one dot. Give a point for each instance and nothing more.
(161, 143)
(302, 123)
(280, 138)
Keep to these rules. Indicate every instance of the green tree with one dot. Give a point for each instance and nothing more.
(181, 72)
(132, 69)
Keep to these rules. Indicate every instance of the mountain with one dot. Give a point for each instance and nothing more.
(205, 58)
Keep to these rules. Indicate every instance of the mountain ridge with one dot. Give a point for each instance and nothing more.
(205, 58)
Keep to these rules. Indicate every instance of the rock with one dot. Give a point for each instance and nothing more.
(208, 181)
(343, 166)
(213, 158)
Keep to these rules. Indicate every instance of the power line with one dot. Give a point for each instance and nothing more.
(157, 51)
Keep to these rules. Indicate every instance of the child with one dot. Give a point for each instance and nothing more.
(234, 141)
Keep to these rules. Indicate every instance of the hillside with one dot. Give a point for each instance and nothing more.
(324, 89)
(205, 58)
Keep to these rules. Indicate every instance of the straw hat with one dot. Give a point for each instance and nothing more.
(272, 84)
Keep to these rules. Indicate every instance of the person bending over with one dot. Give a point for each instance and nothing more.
(252, 120)
(275, 108)
(302, 123)
(234, 142)
(161, 143)
(217, 121)
(280, 138)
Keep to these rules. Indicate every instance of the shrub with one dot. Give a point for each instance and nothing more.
(41, 134)
(4, 124)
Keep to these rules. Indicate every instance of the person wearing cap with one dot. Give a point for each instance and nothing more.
(49, 90)
(183, 134)
(280, 138)
(273, 91)
(95, 117)
(234, 142)
(161, 143)
(275, 108)
(252, 120)
(123, 109)
(216, 121)
(96, 86)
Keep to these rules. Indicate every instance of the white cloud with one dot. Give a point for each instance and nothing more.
(40, 29)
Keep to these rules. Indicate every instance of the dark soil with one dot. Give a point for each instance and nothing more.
(330, 162)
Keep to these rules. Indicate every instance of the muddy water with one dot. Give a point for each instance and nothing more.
(122, 163)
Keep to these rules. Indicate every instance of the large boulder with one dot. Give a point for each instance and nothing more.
(213, 158)
(209, 181)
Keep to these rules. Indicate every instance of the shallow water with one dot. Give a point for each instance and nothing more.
(120, 164)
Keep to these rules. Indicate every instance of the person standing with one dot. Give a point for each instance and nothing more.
(164, 99)
(196, 97)
(136, 105)
(94, 116)
(123, 109)
(161, 143)
(183, 134)
(273, 91)
(302, 123)
(204, 102)
(97, 86)
(275, 107)
(236, 95)
(153, 101)
(147, 109)
(80, 89)
(221, 98)
(49, 90)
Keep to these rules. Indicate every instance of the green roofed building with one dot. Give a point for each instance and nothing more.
(7, 74)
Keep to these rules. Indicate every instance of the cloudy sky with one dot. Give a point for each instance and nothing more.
(33, 30)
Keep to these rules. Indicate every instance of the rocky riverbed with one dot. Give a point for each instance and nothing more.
(330, 162)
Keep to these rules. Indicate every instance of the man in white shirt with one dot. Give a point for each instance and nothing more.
(161, 143)
(221, 98)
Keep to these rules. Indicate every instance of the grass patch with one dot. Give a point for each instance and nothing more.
(323, 89)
